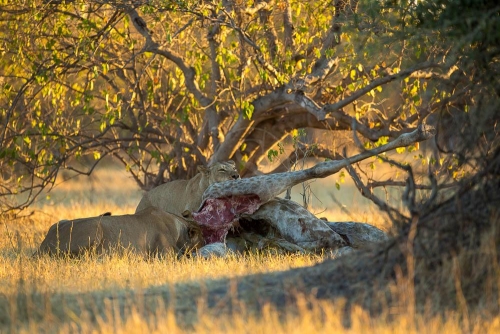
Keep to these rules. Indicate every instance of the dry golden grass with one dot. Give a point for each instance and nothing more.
(18, 241)
(19, 273)
(323, 317)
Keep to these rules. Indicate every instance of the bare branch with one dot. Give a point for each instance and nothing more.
(189, 73)
(392, 183)
(423, 132)
(257, 7)
(192, 86)
(393, 213)
(329, 108)
(140, 25)
(269, 30)
(233, 139)
(288, 26)
(258, 52)
(213, 38)
(308, 104)
(267, 133)
(302, 151)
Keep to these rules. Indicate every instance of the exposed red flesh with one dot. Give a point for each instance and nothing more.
(218, 214)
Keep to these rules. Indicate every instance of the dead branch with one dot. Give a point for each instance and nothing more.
(288, 26)
(302, 151)
(393, 213)
(392, 183)
(330, 108)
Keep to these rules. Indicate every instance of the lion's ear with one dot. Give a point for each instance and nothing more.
(203, 169)
(187, 214)
(231, 162)
(193, 232)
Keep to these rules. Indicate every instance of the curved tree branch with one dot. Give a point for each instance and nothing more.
(306, 151)
(330, 108)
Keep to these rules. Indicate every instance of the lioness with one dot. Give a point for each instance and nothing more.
(150, 231)
(181, 195)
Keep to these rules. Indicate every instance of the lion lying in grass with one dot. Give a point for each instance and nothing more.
(150, 231)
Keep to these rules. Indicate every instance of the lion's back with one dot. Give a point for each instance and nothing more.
(170, 197)
(68, 236)
(181, 195)
(150, 230)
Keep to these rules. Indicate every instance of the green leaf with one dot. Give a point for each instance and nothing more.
(247, 109)
(353, 74)
(342, 177)
(382, 141)
(401, 150)
(272, 154)
(413, 147)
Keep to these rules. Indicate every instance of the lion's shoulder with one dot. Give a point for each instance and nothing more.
(180, 195)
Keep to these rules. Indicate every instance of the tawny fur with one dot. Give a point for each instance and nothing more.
(181, 195)
(150, 231)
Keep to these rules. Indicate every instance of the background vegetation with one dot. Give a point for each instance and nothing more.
(165, 85)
